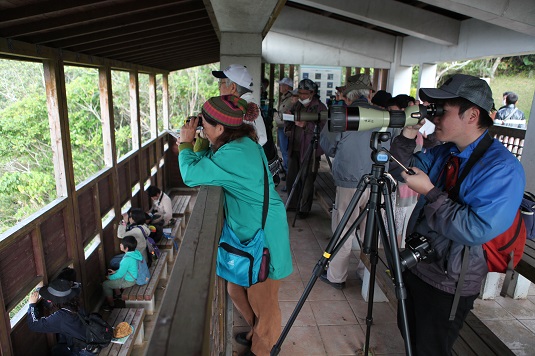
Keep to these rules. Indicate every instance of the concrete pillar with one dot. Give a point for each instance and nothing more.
(427, 78)
(246, 49)
(402, 81)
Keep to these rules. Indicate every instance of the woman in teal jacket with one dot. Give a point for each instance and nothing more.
(236, 163)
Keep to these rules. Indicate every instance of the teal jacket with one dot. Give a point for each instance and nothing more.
(128, 267)
(238, 167)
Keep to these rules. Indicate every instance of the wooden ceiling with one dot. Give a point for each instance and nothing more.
(163, 34)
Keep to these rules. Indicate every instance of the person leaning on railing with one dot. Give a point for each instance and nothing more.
(236, 162)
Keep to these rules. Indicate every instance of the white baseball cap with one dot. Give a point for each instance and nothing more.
(237, 73)
(286, 81)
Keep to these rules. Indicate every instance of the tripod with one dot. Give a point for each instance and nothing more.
(301, 178)
(379, 183)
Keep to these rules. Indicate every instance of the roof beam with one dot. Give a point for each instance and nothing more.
(395, 16)
(516, 15)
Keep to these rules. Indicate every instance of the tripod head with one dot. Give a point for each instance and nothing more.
(379, 154)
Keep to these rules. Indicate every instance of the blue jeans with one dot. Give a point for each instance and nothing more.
(282, 140)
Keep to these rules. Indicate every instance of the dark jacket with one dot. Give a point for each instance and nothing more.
(67, 324)
(304, 135)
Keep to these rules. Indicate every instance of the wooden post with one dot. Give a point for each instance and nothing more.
(56, 97)
(134, 111)
(165, 100)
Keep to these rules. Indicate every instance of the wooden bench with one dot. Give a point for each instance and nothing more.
(171, 245)
(143, 296)
(475, 338)
(181, 207)
(133, 317)
(325, 191)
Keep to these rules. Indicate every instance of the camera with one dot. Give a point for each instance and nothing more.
(417, 248)
(356, 118)
(199, 123)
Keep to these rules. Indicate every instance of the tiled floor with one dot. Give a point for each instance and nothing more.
(333, 322)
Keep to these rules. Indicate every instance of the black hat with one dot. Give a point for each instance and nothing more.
(381, 97)
(471, 88)
(60, 291)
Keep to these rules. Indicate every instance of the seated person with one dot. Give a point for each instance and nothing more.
(62, 297)
(161, 206)
(125, 276)
(133, 224)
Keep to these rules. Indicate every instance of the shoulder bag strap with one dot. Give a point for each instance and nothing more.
(480, 149)
(266, 197)
(142, 231)
(511, 114)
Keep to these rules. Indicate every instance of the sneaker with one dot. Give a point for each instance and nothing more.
(107, 307)
(339, 286)
(284, 189)
(241, 339)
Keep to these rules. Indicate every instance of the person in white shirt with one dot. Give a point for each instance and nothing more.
(161, 205)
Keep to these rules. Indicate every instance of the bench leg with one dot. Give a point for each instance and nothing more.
(519, 287)
(491, 286)
(140, 335)
(378, 295)
(148, 305)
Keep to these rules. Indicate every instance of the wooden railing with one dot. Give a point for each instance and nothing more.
(61, 234)
(192, 319)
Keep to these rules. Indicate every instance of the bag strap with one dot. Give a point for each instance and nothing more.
(266, 197)
(142, 231)
(480, 149)
(511, 114)
(460, 282)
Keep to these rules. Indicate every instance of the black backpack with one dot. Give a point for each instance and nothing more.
(98, 332)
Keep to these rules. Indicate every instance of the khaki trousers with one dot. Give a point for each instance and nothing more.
(259, 306)
(338, 265)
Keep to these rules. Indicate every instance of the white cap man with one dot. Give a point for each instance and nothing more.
(236, 80)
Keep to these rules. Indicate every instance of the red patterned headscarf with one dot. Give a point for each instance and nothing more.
(229, 110)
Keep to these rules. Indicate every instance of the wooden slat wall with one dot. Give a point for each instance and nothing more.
(55, 237)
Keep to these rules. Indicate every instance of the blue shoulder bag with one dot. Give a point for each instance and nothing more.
(244, 263)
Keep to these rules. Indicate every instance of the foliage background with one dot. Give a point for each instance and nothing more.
(27, 181)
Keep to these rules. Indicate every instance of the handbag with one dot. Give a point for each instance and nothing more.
(244, 263)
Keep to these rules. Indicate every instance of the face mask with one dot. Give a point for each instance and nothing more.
(305, 102)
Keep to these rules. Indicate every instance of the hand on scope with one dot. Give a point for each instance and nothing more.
(419, 182)
(300, 123)
(188, 131)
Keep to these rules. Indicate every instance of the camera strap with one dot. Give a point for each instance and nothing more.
(480, 149)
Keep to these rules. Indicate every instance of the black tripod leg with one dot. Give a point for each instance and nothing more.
(297, 180)
(309, 157)
(401, 291)
(330, 251)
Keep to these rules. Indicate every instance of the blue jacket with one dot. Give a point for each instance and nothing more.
(489, 198)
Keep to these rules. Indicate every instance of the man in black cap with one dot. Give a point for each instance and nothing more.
(483, 207)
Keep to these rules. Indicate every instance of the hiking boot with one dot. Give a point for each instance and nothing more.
(338, 286)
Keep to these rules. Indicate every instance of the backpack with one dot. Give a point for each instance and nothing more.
(143, 273)
(153, 252)
(506, 248)
(98, 333)
(509, 245)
